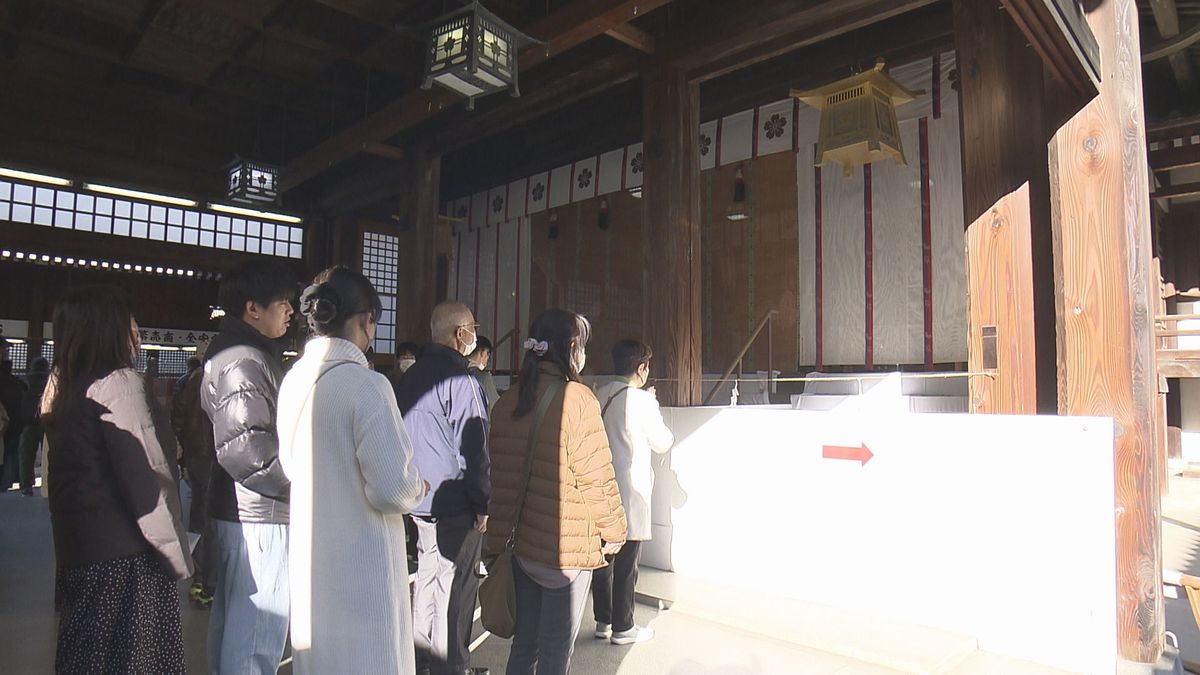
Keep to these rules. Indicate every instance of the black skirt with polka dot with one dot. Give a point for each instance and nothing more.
(119, 616)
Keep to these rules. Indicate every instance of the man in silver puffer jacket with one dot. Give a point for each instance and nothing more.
(248, 491)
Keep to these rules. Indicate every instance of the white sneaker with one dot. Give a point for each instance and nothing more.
(603, 631)
(633, 635)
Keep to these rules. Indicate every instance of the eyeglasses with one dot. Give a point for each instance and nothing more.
(472, 326)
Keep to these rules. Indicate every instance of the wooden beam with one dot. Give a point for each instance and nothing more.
(573, 87)
(1166, 18)
(742, 39)
(568, 27)
(1107, 298)
(149, 13)
(1177, 191)
(1165, 159)
(1173, 368)
(671, 272)
(1059, 33)
(385, 150)
(1176, 127)
(1172, 46)
(633, 36)
(742, 35)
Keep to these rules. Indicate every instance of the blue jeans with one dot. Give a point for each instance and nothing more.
(248, 628)
(547, 623)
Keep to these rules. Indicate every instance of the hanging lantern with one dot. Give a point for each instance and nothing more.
(737, 208)
(602, 221)
(858, 119)
(473, 52)
(253, 182)
(552, 233)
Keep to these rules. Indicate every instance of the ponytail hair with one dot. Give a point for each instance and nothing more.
(550, 340)
(337, 294)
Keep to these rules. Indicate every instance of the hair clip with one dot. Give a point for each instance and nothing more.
(536, 346)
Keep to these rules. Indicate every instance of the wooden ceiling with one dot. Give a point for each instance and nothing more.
(164, 93)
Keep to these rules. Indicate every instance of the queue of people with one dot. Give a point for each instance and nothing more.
(302, 480)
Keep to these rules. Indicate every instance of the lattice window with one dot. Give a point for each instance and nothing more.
(381, 266)
(18, 353)
(120, 217)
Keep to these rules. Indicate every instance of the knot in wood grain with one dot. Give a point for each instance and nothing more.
(1091, 144)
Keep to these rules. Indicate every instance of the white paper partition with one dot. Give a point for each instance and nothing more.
(560, 185)
(945, 525)
(899, 303)
(844, 264)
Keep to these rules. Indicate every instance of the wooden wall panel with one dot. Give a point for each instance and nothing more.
(730, 284)
(844, 268)
(899, 303)
(772, 196)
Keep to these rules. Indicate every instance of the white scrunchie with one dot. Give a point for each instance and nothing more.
(537, 347)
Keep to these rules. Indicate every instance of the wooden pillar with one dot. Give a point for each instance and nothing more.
(1003, 149)
(425, 170)
(1106, 300)
(672, 281)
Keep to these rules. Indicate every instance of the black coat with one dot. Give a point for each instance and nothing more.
(113, 478)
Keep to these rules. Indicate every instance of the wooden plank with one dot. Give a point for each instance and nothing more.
(568, 27)
(1106, 306)
(1169, 158)
(1178, 368)
(633, 36)
(671, 274)
(1000, 282)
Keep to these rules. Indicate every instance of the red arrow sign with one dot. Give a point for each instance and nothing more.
(860, 454)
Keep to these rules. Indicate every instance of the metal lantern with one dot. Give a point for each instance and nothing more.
(474, 53)
(858, 119)
(253, 182)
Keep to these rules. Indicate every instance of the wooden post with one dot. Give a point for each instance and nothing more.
(672, 280)
(1106, 300)
(427, 177)
(1004, 148)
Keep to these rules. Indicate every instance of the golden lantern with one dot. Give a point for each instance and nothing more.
(858, 118)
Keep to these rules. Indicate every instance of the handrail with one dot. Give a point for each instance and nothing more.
(509, 334)
(742, 354)
(515, 362)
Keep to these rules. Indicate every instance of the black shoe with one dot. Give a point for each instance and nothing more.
(27, 493)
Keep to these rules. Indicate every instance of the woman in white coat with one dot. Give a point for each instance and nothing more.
(635, 428)
(343, 445)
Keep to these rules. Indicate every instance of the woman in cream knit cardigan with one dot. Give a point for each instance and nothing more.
(344, 447)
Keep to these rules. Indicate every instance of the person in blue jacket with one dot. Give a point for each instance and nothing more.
(447, 419)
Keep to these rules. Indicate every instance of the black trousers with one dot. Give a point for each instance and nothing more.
(447, 587)
(613, 586)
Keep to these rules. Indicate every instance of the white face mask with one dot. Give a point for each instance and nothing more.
(405, 364)
(578, 361)
(470, 346)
